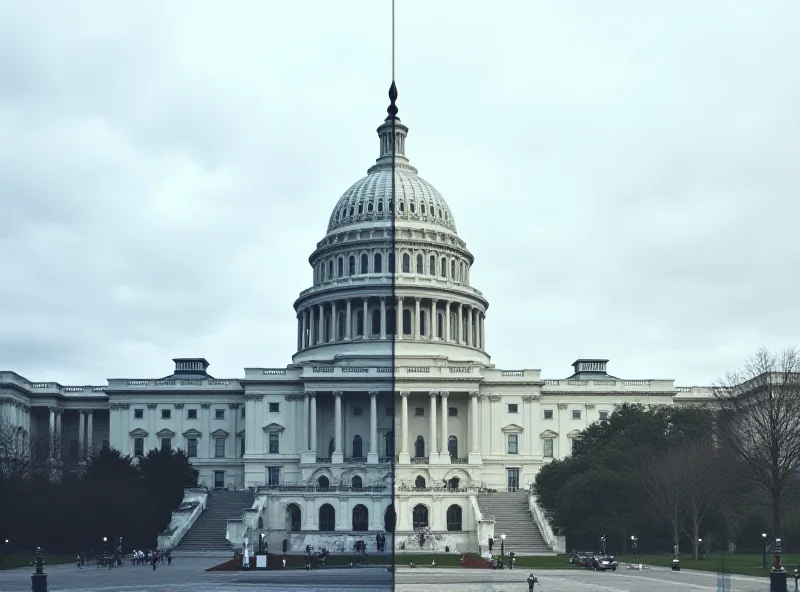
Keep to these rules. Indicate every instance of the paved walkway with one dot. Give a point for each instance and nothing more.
(188, 575)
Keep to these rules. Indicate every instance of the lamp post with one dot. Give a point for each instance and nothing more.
(603, 544)
(764, 556)
(700, 548)
(502, 549)
(778, 575)
(635, 542)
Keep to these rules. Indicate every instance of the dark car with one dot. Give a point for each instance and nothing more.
(604, 562)
(579, 557)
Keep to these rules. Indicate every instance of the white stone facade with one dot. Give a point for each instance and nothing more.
(375, 404)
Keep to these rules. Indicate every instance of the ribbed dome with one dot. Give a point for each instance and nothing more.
(371, 199)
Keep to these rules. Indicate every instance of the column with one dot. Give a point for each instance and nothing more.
(312, 334)
(483, 331)
(445, 432)
(365, 328)
(416, 318)
(52, 433)
(299, 332)
(447, 320)
(81, 432)
(398, 318)
(477, 328)
(460, 324)
(59, 433)
(89, 431)
(313, 429)
(474, 433)
(433, 444)
(470, 335)
(338, 455)
(383, 317)
(348, 321)
(434, 316)
(404, 454)
(334, 324)
(304, 339)
(321, 328)
(372, 456)
(304, 444)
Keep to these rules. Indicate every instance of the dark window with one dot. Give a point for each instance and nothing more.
(274, 407)
(444, 267)
(327, 518)
(273, 443)
(364, 263)
(576, 414)
(219, 414)
(376, 322)
(191, 414)
(340, 268)
(432, 265)
(603, 415)
(419, 482)
(138, 414)
(391, 262)
(389, 443)
(351, 267)
(419, 447)
(377, 266)
(419, 411)
(356, 482)
(452, 411)
(548, 448)
(512, 407)
(513, 440)
(406, 263)
(360, 518)
(406, 322)
(323, 482)
(294, 517)
(454, 518)
(357, 447)
(166, 444)
(138, 447)
(219, 447)
(420, 266)
(274, 475)
(191, 447)
(548, 414)
(243, 412)
(166, 413)
(420, 516)
(452, 446)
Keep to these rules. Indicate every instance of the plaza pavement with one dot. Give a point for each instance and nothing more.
(189, 575)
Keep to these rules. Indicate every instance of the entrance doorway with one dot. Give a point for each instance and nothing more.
(219, 479)
(512, 479)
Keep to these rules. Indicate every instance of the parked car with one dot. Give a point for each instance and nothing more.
(604, 562)
(579, 557)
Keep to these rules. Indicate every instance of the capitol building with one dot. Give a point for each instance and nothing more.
(391, 417)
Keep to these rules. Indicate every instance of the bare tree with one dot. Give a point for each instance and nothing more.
(759, 422)
(12, 452)
(661, 478)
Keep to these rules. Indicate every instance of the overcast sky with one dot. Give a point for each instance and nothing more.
(625, 173)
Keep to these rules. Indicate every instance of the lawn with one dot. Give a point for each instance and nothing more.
(23, 559)
(745, 564)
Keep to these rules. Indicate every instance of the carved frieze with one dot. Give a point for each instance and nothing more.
(494, 398)
(179, 405)
(295, 397)
(152, 405)
(563, 406)
(531, 398)
(234, 405)
(474, 393)
(589, 406)
(253, 397)
(203, 405)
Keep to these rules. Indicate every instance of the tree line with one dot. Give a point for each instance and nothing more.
(70, 507)
(704, 477)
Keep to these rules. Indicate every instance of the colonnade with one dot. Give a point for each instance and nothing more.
(85, 430)
(369, 317)
(438, 440)
(309, 442)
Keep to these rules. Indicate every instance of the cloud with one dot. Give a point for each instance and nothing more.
(624, 175)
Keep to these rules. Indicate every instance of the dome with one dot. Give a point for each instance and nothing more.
(371, 199)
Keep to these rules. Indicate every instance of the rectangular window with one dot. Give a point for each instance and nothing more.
(576, 414)
(273, 443)
(274, 407)
(191, 414)
(243, 411)
(603, 415)
(452, 411)
(358, 411)
(138, 414)
(512, 407)
(547, 448)
(219, 447)
(419, 411)
(548, 414)
(274, 475)
(166, 444)
(138, 447)
(219, 414)
(191, 447)
(513, 441)
(166, 414)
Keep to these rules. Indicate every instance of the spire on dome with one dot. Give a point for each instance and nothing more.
(392, 109)
(392, 135)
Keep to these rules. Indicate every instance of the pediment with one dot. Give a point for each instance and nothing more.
(165, 433)
(273, 427)
(574, 434)
(240, 434)
(138, 433)
(220, 433)
(193, 433)
(512, 428)
(548, 434)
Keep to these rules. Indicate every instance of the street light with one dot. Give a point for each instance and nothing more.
(635, 542)
(502, 548)
(699, 547)
(764, 556)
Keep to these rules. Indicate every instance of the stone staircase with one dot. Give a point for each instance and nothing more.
(512, 517)
(208, 533)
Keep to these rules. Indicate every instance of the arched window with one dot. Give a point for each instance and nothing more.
(453, 483)
(401, 207)
(420, 266)
(444, 268)
(419, 447)
(364, 263)
(330, 269)
(322, 272)
(323, 482)
(380, 207)
(452, 446)
(412, 207)
(360, 518)
(422, 209)
(360, 322)
(391, 325)
(357, 447)
(389, 443)
(326, 326)
(293, 517)
(377, 263)
(376, 322)
(454, 518)
(389, 519)
(423, 322)
(369, 207)
(432, 265)
(341, 321)
(419, 482)
(351, 265)
(440, 326)
(327, 518)
(356, 482)
(406, 263)
(341, 267)
(406, 322)
(391, 262)
(453, 269)
(419, 516)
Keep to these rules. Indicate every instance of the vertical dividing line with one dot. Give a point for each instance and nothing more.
(397, 319)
